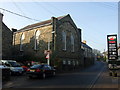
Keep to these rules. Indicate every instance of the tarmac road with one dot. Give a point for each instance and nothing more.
(96, 76)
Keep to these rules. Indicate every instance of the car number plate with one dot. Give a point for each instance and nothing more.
(32, 70)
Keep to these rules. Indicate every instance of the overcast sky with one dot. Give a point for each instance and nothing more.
(96, 19)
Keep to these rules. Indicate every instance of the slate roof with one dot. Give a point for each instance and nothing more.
(40, 23)
(85, 45)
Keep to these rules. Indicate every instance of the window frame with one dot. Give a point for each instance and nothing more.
(22, 37)
(64, 40)
(36, 37)
(72, 43)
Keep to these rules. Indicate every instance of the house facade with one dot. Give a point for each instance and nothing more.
(6, 41)
(88, 55)
(58, 36)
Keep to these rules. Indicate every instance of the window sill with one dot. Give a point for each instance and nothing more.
(21, 50)
(73, 52)
(64, 50)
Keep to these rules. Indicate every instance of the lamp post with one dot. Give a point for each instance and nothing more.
(48, 53)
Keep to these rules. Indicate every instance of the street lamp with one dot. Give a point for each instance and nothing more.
(48, 54)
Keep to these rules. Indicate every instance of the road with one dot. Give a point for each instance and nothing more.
(95, 76)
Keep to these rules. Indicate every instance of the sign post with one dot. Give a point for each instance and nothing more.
(47, 53)
(112, 47)
(112, 54)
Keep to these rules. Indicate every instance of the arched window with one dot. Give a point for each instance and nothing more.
(21, 41)
(72, 43)
(64, 40)
(37, 34)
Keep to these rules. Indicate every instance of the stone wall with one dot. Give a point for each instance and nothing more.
(62, 59)
(7, 38)
(67, 58)
(1, 18)
(29, 53)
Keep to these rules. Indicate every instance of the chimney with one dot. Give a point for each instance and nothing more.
(14, 30)
(84, 41)
(1, 17)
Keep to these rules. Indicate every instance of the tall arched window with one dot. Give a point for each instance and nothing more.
(21, 41)
(64, 40)
(72, 43)
(37, 34)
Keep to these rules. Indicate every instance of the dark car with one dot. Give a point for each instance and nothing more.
(5, 73)
(41, 71)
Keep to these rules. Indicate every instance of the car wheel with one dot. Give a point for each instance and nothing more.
(54, 73)
(43, 75)
(115, 74)
(10, 73)
(110, 73)
(30, 77)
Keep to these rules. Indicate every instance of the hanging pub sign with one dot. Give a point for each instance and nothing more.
(112, 47)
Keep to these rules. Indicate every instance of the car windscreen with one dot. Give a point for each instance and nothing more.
(14, 64)
(36, 66)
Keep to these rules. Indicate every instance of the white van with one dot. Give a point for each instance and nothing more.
(15, 67)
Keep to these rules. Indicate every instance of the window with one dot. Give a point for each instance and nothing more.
(77, 62)
(64, 62)
(64, 40)
(73, 62)
(37, 34)
(21, 41)
(72, 43)
(69, 62)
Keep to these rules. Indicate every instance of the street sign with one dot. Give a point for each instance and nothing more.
(112, 47)
(48, 56)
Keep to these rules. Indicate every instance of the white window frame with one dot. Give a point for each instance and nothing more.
(64, 40)
(69, 62)
(72, 43)
(64, 62)
(77, 62)
(74, 62)
(21, 41)
(37, 35)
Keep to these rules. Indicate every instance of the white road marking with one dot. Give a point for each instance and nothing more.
(96, 78)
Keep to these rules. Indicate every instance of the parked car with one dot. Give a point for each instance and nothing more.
(15, 67)
(5, 72)
(41, 71)
(25, 67)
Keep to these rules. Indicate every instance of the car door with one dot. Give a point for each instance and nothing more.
(50, 70)
(47, 70)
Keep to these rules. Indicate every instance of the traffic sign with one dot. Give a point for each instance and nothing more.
(48, 56)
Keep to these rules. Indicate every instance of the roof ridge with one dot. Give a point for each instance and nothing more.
(41, 23)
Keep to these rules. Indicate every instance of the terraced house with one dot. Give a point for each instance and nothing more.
(6, 37)
(59, 35)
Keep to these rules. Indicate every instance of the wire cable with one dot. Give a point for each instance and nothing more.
(18, 14)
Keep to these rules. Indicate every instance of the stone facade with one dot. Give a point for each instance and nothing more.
(29, 52)
(88, 55)
(1, 17)
(6, 36)
(65, 50)
(67, 58)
